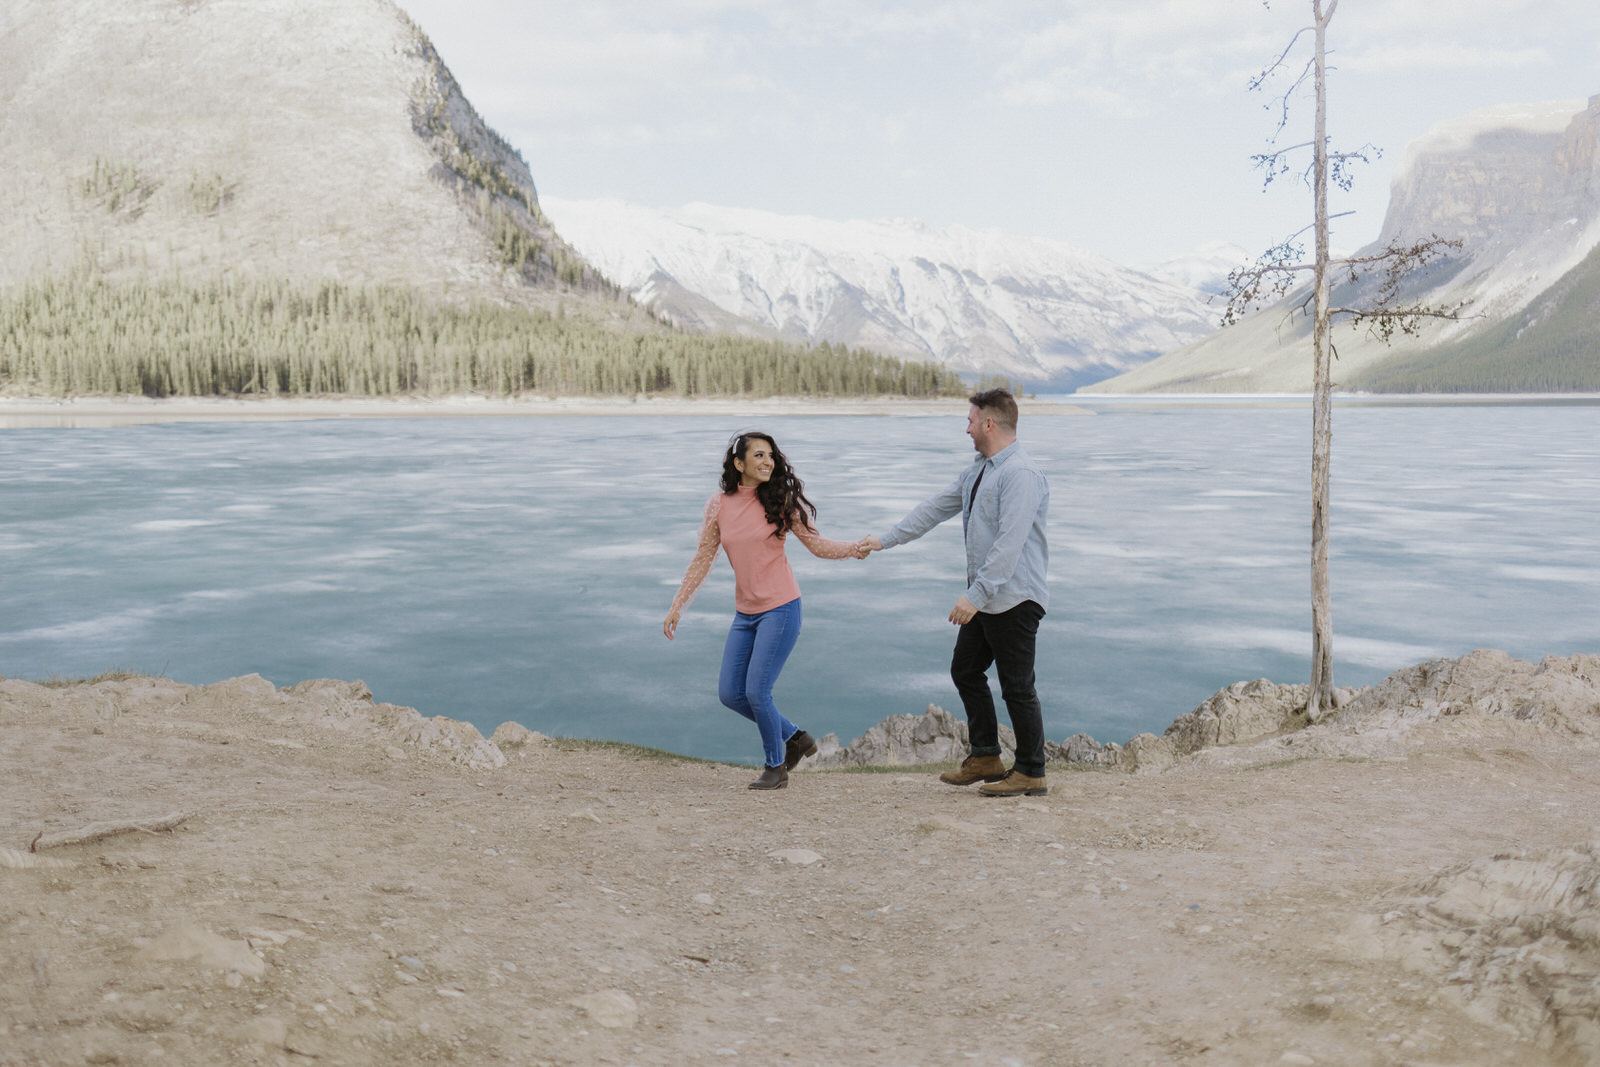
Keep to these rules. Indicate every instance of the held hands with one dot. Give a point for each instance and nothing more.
(671, 624)
(868, 545)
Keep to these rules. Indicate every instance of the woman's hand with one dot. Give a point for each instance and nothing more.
(670, 625)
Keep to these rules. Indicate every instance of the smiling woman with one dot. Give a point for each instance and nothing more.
(758, 502)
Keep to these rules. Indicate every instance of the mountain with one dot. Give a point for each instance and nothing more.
(1206, 268)
(1519, 186)
(269, 197)
(314, 140)
(979, 301)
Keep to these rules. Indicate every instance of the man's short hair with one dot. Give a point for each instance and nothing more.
(999, 405)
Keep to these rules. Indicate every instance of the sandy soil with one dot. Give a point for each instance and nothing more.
(342, 895)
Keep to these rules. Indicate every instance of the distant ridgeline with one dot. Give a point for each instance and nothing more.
(83, 334)
(1550, 346)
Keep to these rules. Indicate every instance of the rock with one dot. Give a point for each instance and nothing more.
(251, 690)
(705, 900)
(411, 963)
(515, 735)
(1148, 754)
(935, 736)
(267, 1030)
(394, 752)
(608, 1007)
(1559, 692)
(460, 742)
(191, 942)
(1516, 938)
(1081, 748)
(800, 857)
(1297, 1058)
(331, 691)
(1239, 713)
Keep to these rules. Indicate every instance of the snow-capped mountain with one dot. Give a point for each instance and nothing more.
(1206, 268)
(980, 301)
(1519, 186)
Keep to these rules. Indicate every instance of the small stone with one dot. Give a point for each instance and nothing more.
(411, 963)
(394, 752)
(585, 814)
(611, 1008)
(450, 991)
(188, 941)
(233, 980)
(1297, 1059)
(800, 857)
(705, 900)
(267, 1030)
(409, 979)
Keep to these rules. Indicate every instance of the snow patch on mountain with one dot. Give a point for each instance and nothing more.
(1206, 268)
(980, 301)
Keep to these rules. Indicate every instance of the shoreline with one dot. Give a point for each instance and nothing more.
(43, 412)
(36, 412)
(244, 873)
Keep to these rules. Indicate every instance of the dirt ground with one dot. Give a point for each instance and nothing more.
(339, 899)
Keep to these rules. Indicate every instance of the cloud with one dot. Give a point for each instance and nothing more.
(1411, 56)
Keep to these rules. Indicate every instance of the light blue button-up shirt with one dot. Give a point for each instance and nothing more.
(1006, 550)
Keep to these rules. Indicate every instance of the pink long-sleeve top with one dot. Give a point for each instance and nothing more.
(762, 578)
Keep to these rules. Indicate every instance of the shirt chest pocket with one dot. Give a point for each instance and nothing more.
(986, 504)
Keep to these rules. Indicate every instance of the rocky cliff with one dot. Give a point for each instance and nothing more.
(1519, 185)
(303, 139)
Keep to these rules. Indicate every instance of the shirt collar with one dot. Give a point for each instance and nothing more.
(1000, 456)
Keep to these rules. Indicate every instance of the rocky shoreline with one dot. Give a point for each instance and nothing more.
(241, 873)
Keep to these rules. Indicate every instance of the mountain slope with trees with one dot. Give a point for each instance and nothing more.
(1519, 185)
(183, 166)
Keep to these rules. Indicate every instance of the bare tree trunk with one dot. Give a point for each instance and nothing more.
(1322, 698)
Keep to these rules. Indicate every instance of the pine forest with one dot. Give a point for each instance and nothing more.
(84, 335)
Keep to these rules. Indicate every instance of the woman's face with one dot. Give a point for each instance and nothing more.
(756, 465)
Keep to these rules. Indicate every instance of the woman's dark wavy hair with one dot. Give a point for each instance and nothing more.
(782, 496)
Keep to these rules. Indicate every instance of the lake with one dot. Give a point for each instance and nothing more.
(495, 569)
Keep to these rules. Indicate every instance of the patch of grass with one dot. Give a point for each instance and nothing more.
(1290, 762)
(115, 674)
(639, 752)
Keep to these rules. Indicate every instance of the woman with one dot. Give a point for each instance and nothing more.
(759, 502)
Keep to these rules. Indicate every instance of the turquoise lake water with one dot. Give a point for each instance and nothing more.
(518, 569)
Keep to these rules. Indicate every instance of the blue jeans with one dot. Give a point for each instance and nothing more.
(758, 646)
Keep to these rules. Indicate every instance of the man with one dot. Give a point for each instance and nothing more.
(1002, 499)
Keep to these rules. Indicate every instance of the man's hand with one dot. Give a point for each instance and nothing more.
(670, 625)
(869, 544)
(963, 612)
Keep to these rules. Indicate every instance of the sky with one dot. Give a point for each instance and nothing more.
(1124, 127)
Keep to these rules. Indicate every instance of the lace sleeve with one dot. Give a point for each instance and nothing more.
(704, 556)
(823, 547)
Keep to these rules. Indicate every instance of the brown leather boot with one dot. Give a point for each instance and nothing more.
(1016, 784)
(798, 748)
(772, 778)
(975, 769)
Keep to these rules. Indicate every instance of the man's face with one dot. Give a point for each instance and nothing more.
(979, 427)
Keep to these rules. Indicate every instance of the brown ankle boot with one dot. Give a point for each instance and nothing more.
(1016, 784)
(798, 748)
(975, 769)
(772, 778)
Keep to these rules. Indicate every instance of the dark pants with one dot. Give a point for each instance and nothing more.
(1005, 639)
